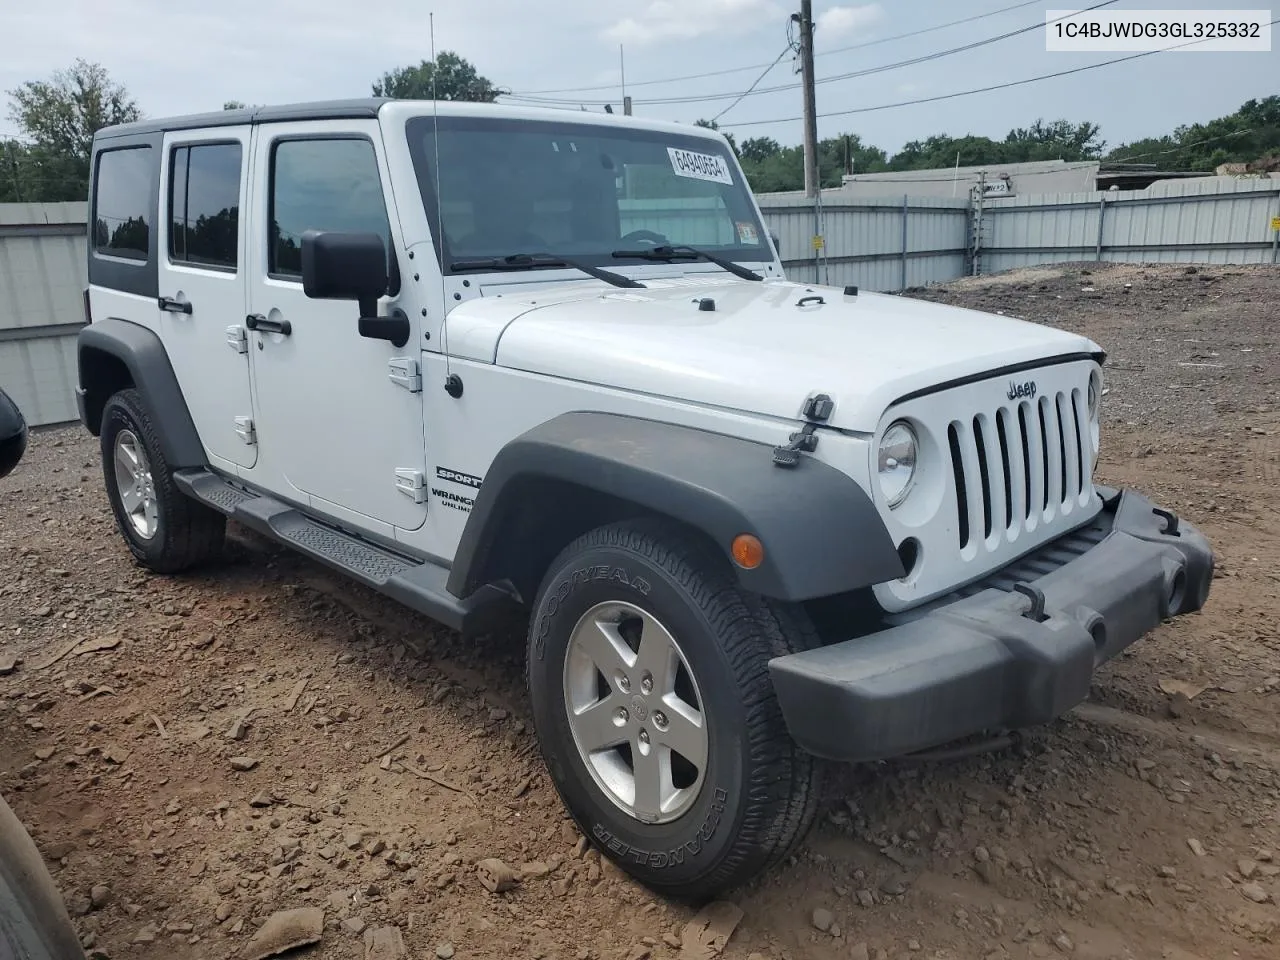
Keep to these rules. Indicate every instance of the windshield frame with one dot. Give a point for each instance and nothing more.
(420, 127)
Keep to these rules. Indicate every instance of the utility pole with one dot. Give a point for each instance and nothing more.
(622, 65)
(812, 185)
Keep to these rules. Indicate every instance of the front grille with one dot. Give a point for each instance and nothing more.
(1019, 466)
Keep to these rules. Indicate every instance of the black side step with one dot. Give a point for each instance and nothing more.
(416, 583)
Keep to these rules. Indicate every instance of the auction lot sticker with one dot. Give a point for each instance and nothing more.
(699, 166)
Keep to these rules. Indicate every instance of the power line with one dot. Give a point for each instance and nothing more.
(820, 53)
(1181, 146)
(778, 59)
(966, 93)
(869, 71)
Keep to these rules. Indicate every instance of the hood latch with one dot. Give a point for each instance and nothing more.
(816, 410)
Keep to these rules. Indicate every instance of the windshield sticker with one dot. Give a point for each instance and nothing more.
(699, 166)
(747, 233)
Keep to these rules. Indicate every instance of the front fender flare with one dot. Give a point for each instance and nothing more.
(821, 531)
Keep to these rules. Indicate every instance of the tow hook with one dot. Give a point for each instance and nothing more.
(1170, 522)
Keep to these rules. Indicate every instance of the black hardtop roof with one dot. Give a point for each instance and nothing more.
(320, 110)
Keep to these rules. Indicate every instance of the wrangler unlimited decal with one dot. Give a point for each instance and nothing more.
(454, 501)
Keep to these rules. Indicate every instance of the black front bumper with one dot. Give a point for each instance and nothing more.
(989, 661)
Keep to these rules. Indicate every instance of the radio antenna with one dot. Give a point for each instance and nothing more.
(450, 386)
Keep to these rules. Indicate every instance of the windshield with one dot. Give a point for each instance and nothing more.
(579, 190)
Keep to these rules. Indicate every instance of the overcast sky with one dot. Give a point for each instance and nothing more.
(180, 57)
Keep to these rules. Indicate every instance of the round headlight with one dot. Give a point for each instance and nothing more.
(897, 462)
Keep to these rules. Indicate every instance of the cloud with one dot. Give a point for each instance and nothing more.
(838, 22)
(669, 20)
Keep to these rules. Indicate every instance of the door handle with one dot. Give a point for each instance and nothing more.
(174, 306)
(256, 321)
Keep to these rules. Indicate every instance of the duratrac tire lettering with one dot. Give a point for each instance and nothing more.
(760, 791)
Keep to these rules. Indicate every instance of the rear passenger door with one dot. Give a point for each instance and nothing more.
(202, 286)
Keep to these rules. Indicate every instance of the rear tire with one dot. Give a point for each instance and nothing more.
(735, 794)
(165, 530)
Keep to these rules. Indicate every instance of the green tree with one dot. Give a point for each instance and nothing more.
(1249, 135)
(1059, 140)
(450, 77)
(58, 118)
(233, 105)
(712, 125)
(759, 149)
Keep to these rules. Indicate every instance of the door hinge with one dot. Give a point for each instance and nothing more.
(412, 483)
(244, 427)
(238, 338)
(404, 373)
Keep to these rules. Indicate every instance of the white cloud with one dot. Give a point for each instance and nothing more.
(840, 22)
(671, 20)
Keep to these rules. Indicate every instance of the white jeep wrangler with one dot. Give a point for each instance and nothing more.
(487, 359)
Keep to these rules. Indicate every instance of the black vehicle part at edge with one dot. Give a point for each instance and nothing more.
(821, 532)
(13, 434)
(114, 354)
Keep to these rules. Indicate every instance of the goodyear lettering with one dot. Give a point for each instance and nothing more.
(616, 574)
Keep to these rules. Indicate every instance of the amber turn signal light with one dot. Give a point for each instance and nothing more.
(748, 551)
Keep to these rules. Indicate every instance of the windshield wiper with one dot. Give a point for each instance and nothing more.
(531, 261)
(667, 254)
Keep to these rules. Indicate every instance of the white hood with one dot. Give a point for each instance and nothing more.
(757, 351)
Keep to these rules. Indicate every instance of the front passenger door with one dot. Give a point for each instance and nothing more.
(336, 431)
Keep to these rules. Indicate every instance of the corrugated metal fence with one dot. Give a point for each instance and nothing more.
(891, 244)
(877, 243)
(1212, 222)
(42, 280)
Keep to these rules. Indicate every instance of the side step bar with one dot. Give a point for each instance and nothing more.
(418, 584)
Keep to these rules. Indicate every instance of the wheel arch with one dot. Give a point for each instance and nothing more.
(821, 531)
(115, 354)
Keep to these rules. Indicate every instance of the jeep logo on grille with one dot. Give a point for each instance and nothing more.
(1022, 391)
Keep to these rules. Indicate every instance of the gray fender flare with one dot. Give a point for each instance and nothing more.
(821, 531)
(142, 354)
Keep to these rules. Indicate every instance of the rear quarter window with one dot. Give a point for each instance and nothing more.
(123, 203)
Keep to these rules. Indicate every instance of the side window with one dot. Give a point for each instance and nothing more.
(204, 205)
(122, 204)
(329, 184)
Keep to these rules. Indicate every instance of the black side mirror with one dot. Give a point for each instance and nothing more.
(352, 266)
(13, 435)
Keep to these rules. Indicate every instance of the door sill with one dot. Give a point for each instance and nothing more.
(418, 584)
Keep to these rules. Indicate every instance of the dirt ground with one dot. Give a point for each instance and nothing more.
(385, 757)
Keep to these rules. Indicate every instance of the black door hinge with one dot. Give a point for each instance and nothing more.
(817, 409)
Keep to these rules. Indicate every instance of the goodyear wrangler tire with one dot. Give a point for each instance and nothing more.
(165, 530)
(655, 713)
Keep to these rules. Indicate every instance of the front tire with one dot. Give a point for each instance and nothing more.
(165, 530)
(648, 675)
